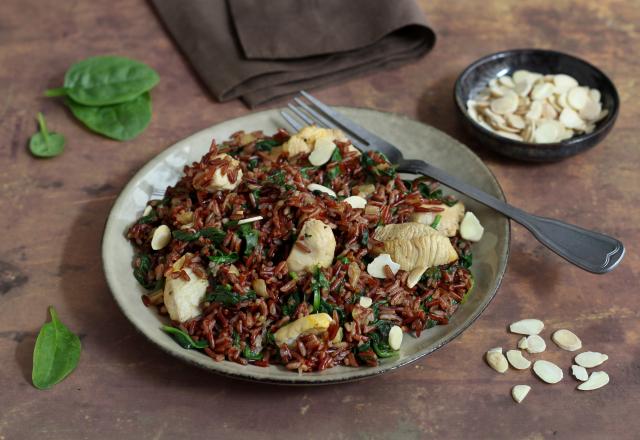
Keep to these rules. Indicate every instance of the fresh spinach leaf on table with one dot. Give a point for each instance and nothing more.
(55, 354)
(106, 80)
(45, 143)
(121, 122)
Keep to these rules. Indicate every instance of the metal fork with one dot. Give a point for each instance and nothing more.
(589, 250)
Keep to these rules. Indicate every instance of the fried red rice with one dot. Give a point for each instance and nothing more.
(248, 262)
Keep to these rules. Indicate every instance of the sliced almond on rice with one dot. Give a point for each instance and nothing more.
(315, 187)
(161, 237)
(356, 202)
(147, 211)
(590, 359)
(527, 327)
(517, 360)
(322, 151)
(547, 371)
(535, 344)
(250, 220)
(497, 361)
(365, 301)
(579, 372)
(598, 379)
(395, 337)
(566, 340)
(376, 267)
(519, 392)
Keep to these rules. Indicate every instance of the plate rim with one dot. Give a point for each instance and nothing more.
(300, 380)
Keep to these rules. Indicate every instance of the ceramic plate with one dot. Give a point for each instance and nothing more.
(416, 140)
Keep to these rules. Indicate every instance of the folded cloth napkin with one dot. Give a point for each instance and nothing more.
(258, 50)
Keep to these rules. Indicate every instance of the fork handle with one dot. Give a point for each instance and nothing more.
(589, 250)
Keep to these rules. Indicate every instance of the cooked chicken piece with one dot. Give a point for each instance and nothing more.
(218, 181)
(182, 298)
(304, 141)
(450, 218)
(316, 238)
(415, 247)
(316, 324)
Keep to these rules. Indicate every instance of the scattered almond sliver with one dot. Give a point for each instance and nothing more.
(519, 392)
(579, 373)
(535, 344)
(496, 360)
(547, 371)
(517, 360)
(527, 327)
(598, 379)
(566, 340)
(590, 359)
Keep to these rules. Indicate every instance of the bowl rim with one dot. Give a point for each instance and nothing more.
(601, 127)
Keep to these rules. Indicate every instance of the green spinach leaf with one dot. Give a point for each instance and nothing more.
(106, 80)
(214, 234)
(250, 355)
(121, 122)
(250, 236)
(141, 272)
(224, 295)
(220, 258)
(56, 353)
(184, 339)
(266, 144)
(181, 235)
(45, 143)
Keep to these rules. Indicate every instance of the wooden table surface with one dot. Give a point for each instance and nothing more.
(53, 212)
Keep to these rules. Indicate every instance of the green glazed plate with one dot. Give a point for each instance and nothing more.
(415, 139)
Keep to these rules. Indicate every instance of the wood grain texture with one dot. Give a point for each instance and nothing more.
(53, 212)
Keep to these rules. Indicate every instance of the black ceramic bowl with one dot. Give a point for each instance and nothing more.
(477, 76)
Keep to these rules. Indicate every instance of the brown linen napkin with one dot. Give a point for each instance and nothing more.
(259, 50)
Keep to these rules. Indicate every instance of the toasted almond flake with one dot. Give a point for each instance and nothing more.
(591, 110)
(507, 104)
(598, 379)
(527, 327)
(365, 302)
(376, 267)
(322, 151)
(548, 132)
(577, 97)
(590, 359)
(315, 187)
(522, 343)
(497, 361)
(470, 227)
(563, 83)
(579, 372)
(161, 237)
(594, 94)
(356, 202)
(147, 211)
(566, 340)
(519, 392)
(547, 371)
(535, 344)
(535, 111)
(250, 220)
(395, 337)
(517, 360)
(515, 121)
(542, 91)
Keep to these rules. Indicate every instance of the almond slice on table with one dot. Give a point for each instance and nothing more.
(527, 326)
(547, 371)
(598, 379)
(535, 344)
(566, 340)
(517, 360)
(579, 372)
(590, 359)
(496, 360)
(519, 392)
(522, 343)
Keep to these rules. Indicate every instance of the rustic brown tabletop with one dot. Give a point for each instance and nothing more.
(53, 212)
